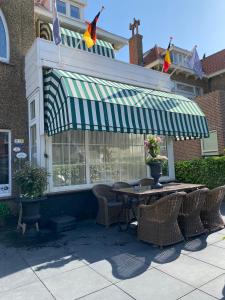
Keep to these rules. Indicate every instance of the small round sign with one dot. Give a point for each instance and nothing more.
(21, 155)
(16, 149)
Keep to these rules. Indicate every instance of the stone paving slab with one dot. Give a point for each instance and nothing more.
(215, 287)
(109, 293)
(33, 291)
(75, 284)
(197, 295)
(154, 284)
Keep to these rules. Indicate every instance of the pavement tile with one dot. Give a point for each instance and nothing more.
(221, 243)
(154, 284)
(14, 272)
(190, 270)
(57, 265)
(33, 291)
(75, 284)
(109, 293)
(119, 267)
(212, 255)
(197, 295)
(216, 287)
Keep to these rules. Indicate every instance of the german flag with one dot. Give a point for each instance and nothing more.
(90, 36)
(167, 59)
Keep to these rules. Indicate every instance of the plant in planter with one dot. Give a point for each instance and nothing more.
(154, 159)
(4, 212)
(32, 182)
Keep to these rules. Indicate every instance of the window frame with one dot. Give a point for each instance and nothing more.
(5, 59)
(213, 152)
(9, 193)
(65, 2)
(88, 185)
(76, 6)
(68, 5)
(186, 93)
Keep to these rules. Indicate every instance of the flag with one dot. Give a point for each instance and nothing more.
(167, 59)
(56, 26)
(90, 36)
(195, 64)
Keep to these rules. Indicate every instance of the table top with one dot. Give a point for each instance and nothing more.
(167, 188)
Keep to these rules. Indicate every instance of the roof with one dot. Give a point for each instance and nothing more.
(214, 63)
(152, 55)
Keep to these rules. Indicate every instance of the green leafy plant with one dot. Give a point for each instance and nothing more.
(152, 147)
(209, 171)
(4, 210)
(32, 181)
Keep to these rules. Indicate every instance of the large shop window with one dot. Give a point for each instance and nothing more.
(210, 144)
(4, 39)
(4, 163)
(88, 157)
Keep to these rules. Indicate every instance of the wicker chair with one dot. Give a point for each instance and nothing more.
(108, 206)
(146, 181)
(189, 217)
(210, 214)
(157, 223)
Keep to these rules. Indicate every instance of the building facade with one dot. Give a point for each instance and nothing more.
(85, 113)
(208, 92)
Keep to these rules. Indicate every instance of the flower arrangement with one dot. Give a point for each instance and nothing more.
(152, 147)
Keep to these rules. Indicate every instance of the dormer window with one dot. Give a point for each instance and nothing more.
(4, 38)
(68, 9)
(74, 11)
(61, 7)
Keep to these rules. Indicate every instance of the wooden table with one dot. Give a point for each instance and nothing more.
(146, 192)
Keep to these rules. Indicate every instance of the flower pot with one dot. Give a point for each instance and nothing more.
(156, 173)
(30, 210)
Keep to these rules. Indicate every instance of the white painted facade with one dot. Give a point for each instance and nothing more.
(45, 54)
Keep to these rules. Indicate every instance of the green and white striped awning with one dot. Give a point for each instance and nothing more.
(75, 101)
(75, 40)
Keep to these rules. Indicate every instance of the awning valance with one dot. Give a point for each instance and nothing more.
(75, 101)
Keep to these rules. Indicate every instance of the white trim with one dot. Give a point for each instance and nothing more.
(213, 151)
(3, 59)
(9, 165)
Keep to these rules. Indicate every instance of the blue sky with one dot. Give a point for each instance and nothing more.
(190, 22)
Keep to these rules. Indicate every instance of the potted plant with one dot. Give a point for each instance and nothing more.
(4, 212)
(32, 182)
(154, 159)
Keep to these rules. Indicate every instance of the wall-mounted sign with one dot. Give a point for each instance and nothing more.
(16, 149)
(19, 141)
(21, 155)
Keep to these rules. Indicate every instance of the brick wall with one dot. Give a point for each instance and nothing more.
(213, 105)
(19, 15)
(217, 83)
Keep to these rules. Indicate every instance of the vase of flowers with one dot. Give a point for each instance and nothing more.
(154, 159)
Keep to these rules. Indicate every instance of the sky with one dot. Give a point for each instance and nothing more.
(190, 22)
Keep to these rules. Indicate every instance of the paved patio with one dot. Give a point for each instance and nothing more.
(92, 263)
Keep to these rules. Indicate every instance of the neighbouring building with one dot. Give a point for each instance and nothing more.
(208, 92)
(88, 113)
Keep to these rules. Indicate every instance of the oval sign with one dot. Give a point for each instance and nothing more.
(16, 149)
(21, 155)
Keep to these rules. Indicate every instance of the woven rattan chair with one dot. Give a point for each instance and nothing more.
(108, 206)
(210, 214)
(146, 181)
(189, 217)
(157, 223)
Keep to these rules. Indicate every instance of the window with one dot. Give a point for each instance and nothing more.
(33, 145)
(187, 90)
(32, 110)
(4, 39)
(4, 163)
(74, 12)
(210, 144)
(61, 7)
(82, 157)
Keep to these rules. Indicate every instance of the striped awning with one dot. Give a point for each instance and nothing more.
(75, 101)
(74, 39)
